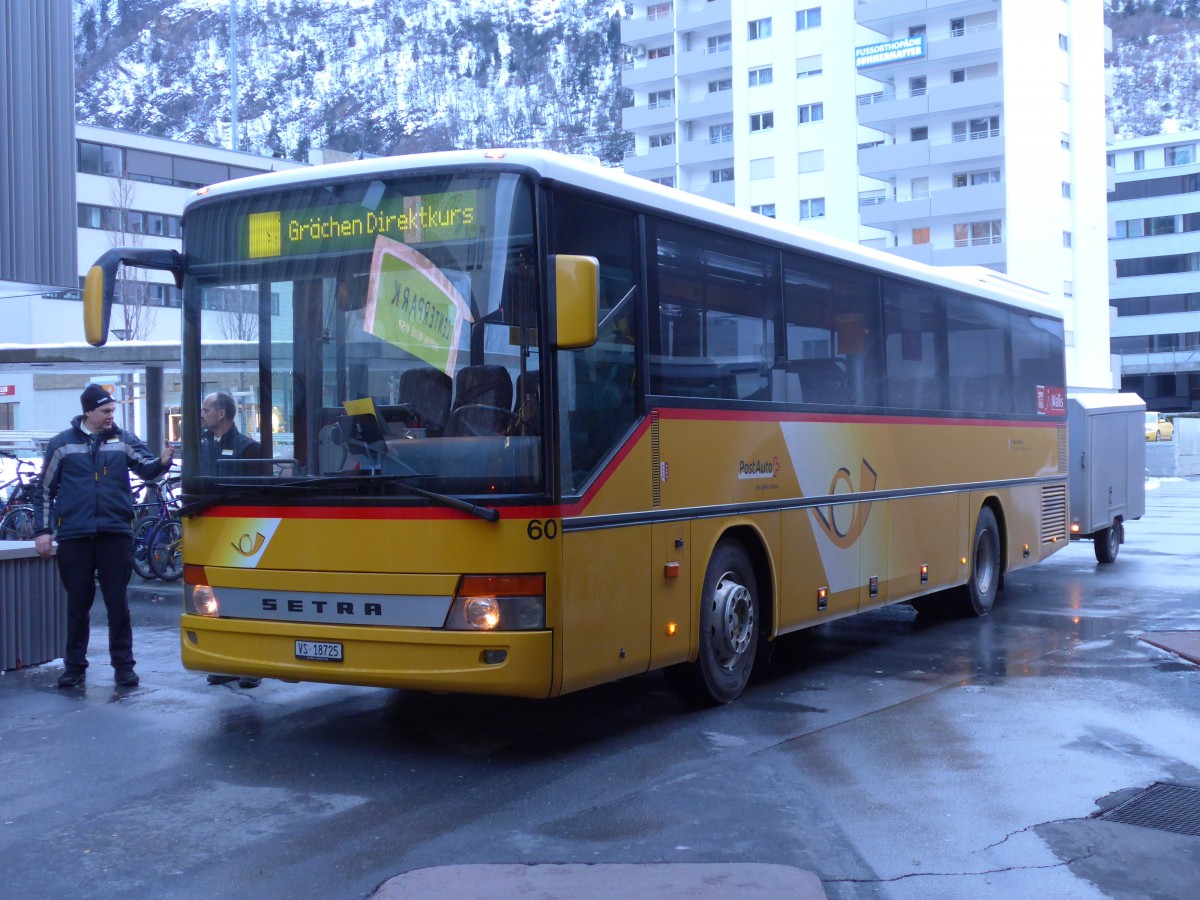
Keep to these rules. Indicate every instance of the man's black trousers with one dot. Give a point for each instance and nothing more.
(81, 562)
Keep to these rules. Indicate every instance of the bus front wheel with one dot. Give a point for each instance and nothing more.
(729, 626)
(979, 593)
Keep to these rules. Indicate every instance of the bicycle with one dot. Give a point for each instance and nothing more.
(149, 516)
(16, 512)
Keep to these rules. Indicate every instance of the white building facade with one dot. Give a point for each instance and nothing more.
(1155, 249)
(903, 120)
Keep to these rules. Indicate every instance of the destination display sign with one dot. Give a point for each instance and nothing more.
(416, 219)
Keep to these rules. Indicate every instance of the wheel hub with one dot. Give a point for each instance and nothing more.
(734, 608)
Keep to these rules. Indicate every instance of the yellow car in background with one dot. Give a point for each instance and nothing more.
(1159, 427)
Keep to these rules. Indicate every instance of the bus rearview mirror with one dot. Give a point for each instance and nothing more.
(576, 296)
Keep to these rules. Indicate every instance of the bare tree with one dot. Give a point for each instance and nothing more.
(127, 228)
(236, 320)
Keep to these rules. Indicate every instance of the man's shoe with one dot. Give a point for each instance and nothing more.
(71, 678)
(248, 681)
(127, 678)
(221, 679)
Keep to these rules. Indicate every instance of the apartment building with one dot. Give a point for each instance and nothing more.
(900, 123)
(1155, 248)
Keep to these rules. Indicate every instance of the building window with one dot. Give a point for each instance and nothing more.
(812, 161)
(764, 209)
(659, 52)
(1179, 154)
(810, 112)
(762, 75)
(916, 30)
(1065, 90)
(721, 84)
(666, 139)
(973, 234)
(658, 11)
(667, 180)
(1063, 43)
(918, 188)
(958, 76)
(919, 133)
(808, 18)
(1068, 289)
(920, 235)
(1066, 189)
(1064, 141)
(916, 86)
(716, 176)
(719, 44)
(1111, 160)
(762, 121)
(758, 29)
(975, 129)
(958, 27)
(100, 159)
(969, 179)
(808, 66)
(1066, 239)
(720, 134)
(762, 168)
(813, 208)
(1139, 160)
(660, 99)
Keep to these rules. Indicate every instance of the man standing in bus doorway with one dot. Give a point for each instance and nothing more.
(84, 500)
(222, 440)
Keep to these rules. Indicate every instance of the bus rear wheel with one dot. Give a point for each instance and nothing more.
(979, 593)
(1107, 542)
(729, 631)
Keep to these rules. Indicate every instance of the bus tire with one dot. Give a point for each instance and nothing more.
(1107, 542)
(729, 631)
(979, 593)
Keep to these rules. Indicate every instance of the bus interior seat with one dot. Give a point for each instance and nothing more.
(426, 393)
(483, 397)
(527, 404)
(823, 380)
(694, 377)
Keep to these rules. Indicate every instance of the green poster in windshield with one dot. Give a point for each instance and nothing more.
(412, 305)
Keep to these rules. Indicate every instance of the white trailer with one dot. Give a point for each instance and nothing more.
(1107, 469)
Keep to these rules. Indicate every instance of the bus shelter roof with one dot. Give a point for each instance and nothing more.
(121, 356)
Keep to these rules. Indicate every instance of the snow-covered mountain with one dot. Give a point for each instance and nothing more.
(398, 76)
(373, 76)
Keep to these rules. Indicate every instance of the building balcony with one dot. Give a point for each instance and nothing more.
(722, 192)
(696, 62)
(880, 107)
(976, 147)
(657, 160)
(883, 159)
(718, 103)
(696, 14)
(705, 151)
(881, 212)
(634, 118)
(973, 202)
(980, 253)
(967, 201)
(966, 95)
(641, 29)
(1162, 362)
(974, 42)
(880, 14)
(644, 73)
(885, 106)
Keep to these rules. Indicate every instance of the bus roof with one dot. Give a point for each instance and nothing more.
(587, 173)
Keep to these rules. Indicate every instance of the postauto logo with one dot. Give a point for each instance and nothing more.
(758, 468)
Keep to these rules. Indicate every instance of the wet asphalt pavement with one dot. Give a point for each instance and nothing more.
(893, 755)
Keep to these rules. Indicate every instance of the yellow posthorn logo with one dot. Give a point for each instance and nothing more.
(845, 537)
(266, 235)
(248, 546)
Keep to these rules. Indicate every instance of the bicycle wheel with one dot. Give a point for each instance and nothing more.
(142, 531)
(166, 550)
(17, 524)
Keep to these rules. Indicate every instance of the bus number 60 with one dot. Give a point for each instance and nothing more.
(539, 529)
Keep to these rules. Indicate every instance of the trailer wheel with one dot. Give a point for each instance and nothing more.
(979, 593)
(729, 627)
(1107, 542)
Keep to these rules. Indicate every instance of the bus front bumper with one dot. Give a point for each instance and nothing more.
(511, 663)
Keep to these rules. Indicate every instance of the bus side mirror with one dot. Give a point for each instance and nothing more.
(574, 301)
(101, 281)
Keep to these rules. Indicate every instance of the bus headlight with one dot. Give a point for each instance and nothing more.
(498, 603)
(198, 596)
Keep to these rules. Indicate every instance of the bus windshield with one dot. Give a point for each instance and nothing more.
(381, 327)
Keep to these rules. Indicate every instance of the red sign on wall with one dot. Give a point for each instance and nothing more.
(8, 390)
(1051, 401)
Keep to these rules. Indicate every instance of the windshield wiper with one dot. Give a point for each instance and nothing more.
(487, 513)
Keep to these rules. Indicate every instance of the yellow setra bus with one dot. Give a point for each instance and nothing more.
(529, 425)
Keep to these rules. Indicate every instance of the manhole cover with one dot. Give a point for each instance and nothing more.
(1167, 807)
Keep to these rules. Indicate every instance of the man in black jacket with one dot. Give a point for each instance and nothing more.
(221, 439)
(84, 500)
